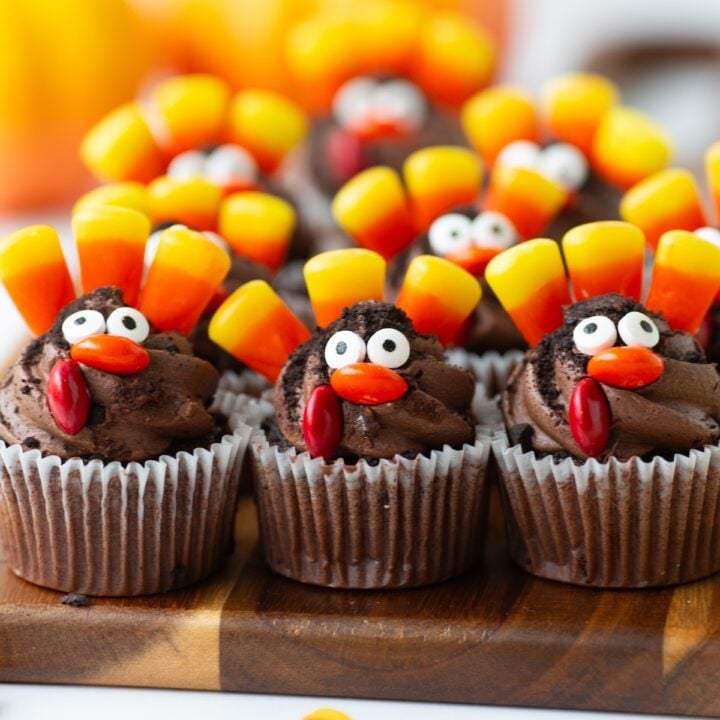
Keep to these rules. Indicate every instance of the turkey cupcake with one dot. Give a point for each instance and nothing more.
(370, 469)
(610, 469)
(118, 472)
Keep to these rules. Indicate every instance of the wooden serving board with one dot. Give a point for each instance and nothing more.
(494, 636)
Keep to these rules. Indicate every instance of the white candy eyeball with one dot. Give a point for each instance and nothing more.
(521, 153)
(400, 102)
(344, 348)
(187, 165)
(638, 330)
(83, 324)
(129, 323)
(711, 234)
(353, 101)
(450, 233)
(565, 164)
(388, 347)
(230, 164)
(594, 334)
(492, 229)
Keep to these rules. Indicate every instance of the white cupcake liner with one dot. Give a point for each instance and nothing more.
(399, 523)
(244, 382)
(491, 369)
(616, 524)
(113, 529)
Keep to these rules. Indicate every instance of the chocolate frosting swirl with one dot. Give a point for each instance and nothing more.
(679, 411)
(132, 417)
(433, 413)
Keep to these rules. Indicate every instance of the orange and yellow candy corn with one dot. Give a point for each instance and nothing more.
(439, 179)
(33, 271)
(712, 172)
(130, 195)
(340, 278)
(667, 200)
(529, 280)
(438, 296)
(187, 269)
(257, 226)
(111, 248)
(373, 209)
(256, 327)
(194, 202)
(604, 257)
(685, 280)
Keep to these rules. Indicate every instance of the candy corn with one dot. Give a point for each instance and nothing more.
(439, 179)
(496, 117)
(438, 296)
(256, 327)
(121, 147)
(605, 257)
(341, 278)
(257, 226)
(686, 278)
(712, 170)
(194, 202)
(186, 271)
(529, 280)
(628, 147)
(111, 246)
(33, 271)
(667, 200)
(373, 210)
(130, 195)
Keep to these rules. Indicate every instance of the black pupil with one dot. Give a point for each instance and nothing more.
(389, 345)
(454, 233)
(590, 328)
(80, 320)
(341, 347)
(129, 322)
(496, 229)
(646, 326)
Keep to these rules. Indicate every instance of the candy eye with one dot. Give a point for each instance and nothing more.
(493, 230)
(638, 330)
(129, 323)
(352, 102)
(399, 102)
(565, 164)
(187, 165)
(449, 234)
(521, 153)
(230, 164)
(711, 234)
(83, 324)
(388, 347)
(594, 334)
(344, 348)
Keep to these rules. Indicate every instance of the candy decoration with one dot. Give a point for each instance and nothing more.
(605, 257)
(625, 367)
(322, 422)
(327, 714)
(438, 296)
(685, 279)
(712, 172)
(439, 179)
(496, 117)
(529, 280)
(68, 397)
(589, 417)
(373, 210)
(258, 226)
(112, 354)
(186, 271)
(345, 153)
(257, 328)
(111, 248)
(341, 278)
(33, 271)
(667, 200)
(130, 195)
(628, 147)
(194, 202)
(367, 384)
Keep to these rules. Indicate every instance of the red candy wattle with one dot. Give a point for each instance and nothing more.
(68, 397)
(624, 367)
(322, 422)
(345, 153)
(589, 416)
(111, 353)
(367, 384)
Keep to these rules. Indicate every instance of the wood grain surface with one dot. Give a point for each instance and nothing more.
(493, 636)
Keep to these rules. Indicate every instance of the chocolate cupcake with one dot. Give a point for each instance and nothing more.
(610, 469)
(371, 472)
(118, 472)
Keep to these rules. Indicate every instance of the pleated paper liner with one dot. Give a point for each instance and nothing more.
(491, 369)
(617, 524)
(117, 530)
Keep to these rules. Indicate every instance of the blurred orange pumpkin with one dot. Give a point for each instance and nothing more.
(65, 64)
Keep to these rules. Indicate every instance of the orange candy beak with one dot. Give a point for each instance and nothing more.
(367, 384)
(629, 368)
(112, 354)
(473, 259)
